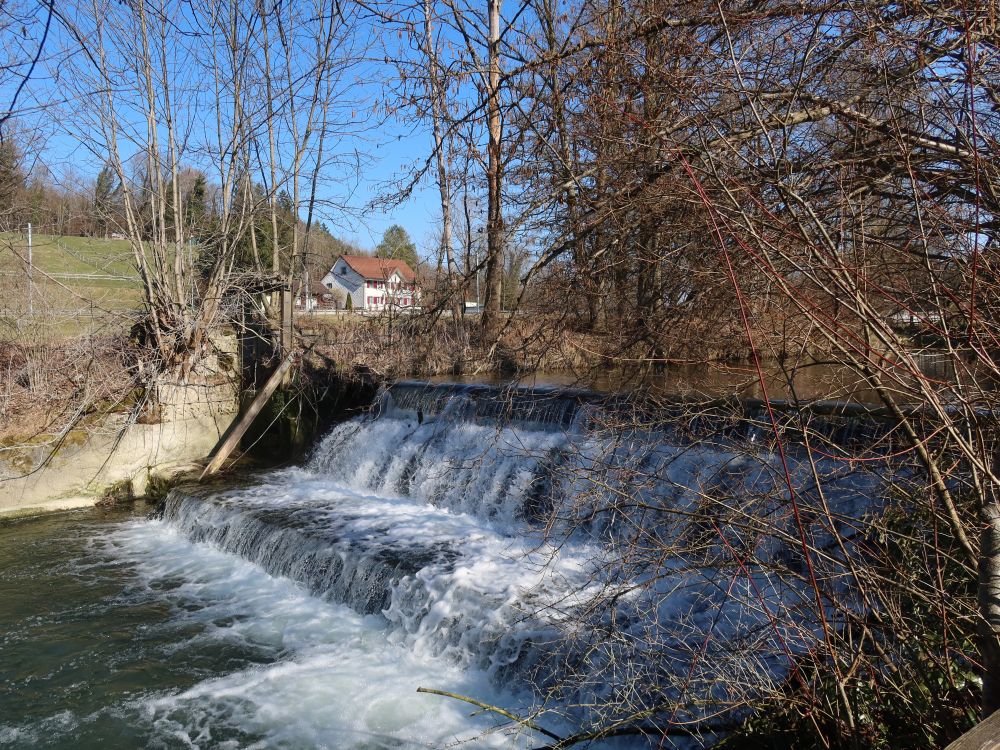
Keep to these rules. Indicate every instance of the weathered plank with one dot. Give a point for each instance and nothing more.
(231, 438)
(984, 736)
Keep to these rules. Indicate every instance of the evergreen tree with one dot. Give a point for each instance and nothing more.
(396, 244)
(259, 231)
(106, 195)
(196, 218)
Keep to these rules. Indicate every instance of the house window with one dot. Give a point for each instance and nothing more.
(329, 285)
(343, 270)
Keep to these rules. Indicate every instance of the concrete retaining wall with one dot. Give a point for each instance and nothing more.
(33, 479)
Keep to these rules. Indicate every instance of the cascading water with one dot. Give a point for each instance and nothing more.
(505, 532)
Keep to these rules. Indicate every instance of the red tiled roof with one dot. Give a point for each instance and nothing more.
(378, 268)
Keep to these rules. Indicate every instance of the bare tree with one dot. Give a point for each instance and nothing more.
(816, 182)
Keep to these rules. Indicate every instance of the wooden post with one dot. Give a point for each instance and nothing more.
(231, 438)
(983, 736)
(31, 297)
(285, 338)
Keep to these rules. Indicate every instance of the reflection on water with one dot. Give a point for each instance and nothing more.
(803, 381)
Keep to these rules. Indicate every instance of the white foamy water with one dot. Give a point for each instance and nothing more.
(450, 585)
(440, 545)
(339, 680)
(472, 468)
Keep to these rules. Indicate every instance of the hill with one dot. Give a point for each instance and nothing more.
(77, 285)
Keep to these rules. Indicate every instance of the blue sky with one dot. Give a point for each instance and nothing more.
(419, 215)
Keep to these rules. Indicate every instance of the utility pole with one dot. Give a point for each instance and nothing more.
(31, 301)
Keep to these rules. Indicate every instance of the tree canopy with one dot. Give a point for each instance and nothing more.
(397, 245)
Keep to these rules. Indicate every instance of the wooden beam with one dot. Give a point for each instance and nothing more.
(231, 438)
(286, 333)
(984, 736)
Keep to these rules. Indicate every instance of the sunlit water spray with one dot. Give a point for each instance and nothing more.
(268, 665)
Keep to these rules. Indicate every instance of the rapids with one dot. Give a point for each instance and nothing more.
(470, 539)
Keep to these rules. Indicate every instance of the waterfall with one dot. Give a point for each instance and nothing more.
(449, 585)
(521, 532)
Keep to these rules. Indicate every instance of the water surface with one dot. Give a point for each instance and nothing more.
(118, 632)
(804, 381)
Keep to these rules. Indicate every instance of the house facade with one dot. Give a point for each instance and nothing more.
(374, 283)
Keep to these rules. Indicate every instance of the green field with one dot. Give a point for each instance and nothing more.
(71, 255)
(78, 285)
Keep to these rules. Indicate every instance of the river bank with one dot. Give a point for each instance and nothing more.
(92, 431)
(75, 436)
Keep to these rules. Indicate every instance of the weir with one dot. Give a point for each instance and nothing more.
(845, 425)
(527, 533)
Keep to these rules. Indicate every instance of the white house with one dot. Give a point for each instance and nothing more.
(374, 283)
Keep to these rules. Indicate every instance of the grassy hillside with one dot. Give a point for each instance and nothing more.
(72, 255)
(79, 285)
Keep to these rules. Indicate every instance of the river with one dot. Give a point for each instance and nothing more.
(118, 632)
(447, 541)
(804, 381)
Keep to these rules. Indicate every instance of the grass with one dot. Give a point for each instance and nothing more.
(80, 285)
(77, 256)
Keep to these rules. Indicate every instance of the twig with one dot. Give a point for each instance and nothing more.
(495, 709)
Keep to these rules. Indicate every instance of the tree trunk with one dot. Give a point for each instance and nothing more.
(989, 607)
(437, 96)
